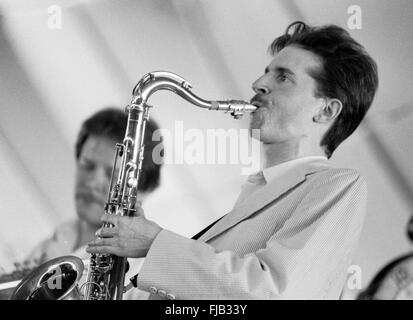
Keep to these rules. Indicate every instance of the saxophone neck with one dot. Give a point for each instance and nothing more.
(163, 80)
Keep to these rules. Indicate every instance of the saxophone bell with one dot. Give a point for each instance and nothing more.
(56, 279)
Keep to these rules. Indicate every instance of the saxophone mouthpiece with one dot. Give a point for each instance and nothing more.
(236, 108)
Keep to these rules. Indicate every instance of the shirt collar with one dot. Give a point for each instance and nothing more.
(274, 172)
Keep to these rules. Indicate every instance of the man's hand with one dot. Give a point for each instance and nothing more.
(130, 237)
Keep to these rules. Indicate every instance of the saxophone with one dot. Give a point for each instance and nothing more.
(106, 273)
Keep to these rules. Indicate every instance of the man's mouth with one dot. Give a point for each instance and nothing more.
(89, 197)
(259, 106)
(254, 101)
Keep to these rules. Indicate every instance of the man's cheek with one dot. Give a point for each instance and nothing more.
(80, 178)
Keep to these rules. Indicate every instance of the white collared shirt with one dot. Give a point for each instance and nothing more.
(255, 181)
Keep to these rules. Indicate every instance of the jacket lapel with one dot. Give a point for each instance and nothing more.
(264, 196)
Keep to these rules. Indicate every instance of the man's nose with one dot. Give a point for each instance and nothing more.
(260, 87)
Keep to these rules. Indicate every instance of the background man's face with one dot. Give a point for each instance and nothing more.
(285, 95)
(94, 168)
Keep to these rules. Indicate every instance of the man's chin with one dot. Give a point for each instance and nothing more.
(94, 224)
(255, 128)
(92, 218)
(255, 133)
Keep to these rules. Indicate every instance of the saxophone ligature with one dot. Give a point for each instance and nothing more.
(106, 272)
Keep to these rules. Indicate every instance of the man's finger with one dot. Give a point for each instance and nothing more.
(110, 218)
(102, 249)
(101, 242)
(139, 212)
(107, 232)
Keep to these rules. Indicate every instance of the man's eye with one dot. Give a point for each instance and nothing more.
(87, 165)
(282, 78)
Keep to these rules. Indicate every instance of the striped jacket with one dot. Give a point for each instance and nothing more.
(294, 239)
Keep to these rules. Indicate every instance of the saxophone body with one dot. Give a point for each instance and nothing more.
(106, 272)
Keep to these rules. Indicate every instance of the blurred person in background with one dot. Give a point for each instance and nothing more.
(394, 281)
(94, 151)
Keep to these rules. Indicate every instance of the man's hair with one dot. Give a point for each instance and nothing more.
(348, 74)
(111, 123)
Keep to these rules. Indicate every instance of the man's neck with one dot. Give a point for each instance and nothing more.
(277, 153)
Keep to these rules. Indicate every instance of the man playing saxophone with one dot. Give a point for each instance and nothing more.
(296, 224)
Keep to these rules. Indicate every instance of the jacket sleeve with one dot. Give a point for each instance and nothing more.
(306, 259)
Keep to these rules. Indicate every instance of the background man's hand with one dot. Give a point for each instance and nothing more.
(130, 237)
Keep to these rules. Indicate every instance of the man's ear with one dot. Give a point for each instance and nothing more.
(329, 111)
